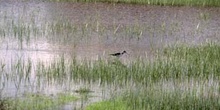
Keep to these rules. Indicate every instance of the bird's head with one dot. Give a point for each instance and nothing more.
(124, 52)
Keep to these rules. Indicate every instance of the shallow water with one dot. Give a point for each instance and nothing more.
(43, 32)
(91, 30)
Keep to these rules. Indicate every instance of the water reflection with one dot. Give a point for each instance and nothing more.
(88, 31)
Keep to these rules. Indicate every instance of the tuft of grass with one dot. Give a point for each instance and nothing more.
(83, 91)
(3, 104)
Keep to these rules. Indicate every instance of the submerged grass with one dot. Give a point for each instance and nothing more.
(36, 102)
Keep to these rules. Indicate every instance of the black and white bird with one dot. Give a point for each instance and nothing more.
(118, 54)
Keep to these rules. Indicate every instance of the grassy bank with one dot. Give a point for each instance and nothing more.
(156, 2)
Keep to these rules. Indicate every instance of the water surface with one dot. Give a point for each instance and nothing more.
(33, 33)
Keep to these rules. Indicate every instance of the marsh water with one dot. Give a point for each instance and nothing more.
(44, 32)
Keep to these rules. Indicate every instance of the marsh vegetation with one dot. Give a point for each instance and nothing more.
(56, 55)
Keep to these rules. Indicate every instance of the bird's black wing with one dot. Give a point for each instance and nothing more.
(115, 54)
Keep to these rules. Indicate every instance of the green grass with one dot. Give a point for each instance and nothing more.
(179, 63)
(108, 105)
(201, 61)
(173, 63)
(188, 75)
(154, 2)
(197, 61)
(197, 65)
(83, 91)
(154, 100)
(36, 102)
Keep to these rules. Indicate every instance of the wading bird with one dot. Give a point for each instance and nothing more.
(118, 54)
